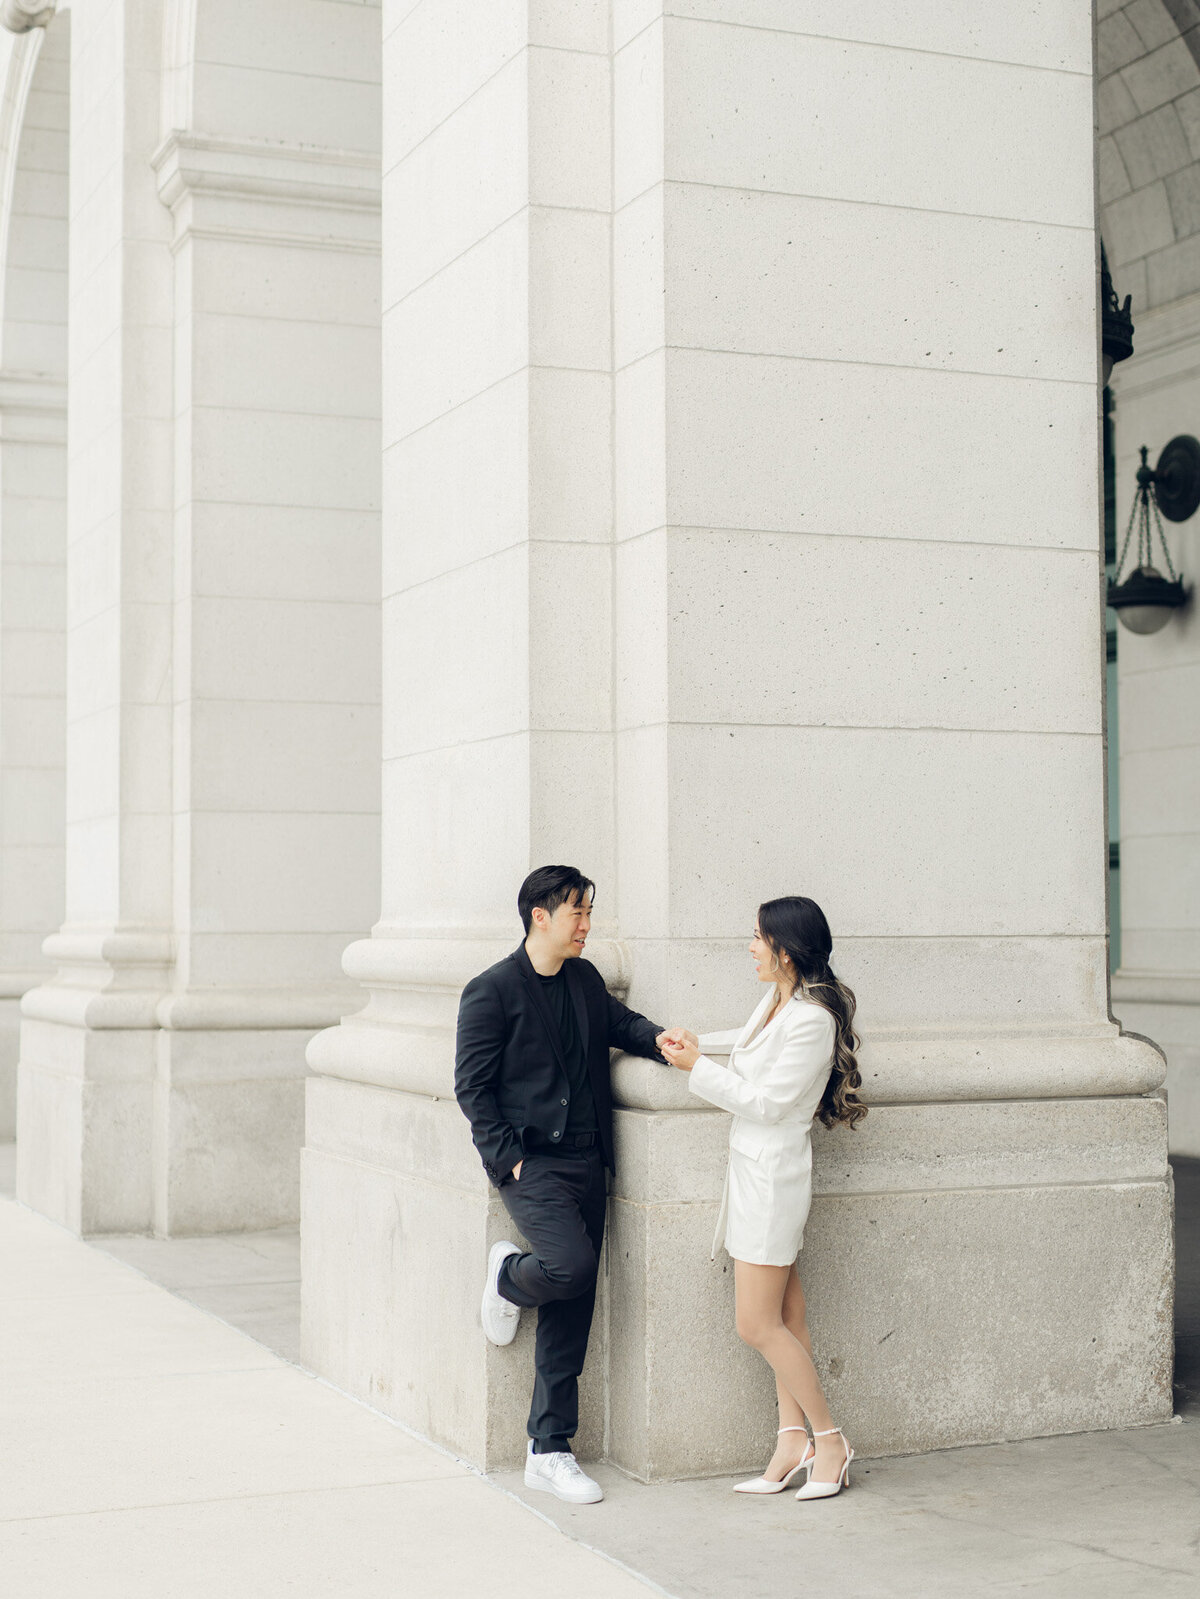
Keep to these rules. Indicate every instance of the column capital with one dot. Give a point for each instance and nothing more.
(214, 184)
(22, 16)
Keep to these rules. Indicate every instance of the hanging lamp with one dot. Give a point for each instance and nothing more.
(1145, 599)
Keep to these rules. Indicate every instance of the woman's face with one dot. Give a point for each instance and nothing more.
(763, 956)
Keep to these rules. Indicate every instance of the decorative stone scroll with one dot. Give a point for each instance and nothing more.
(22, 16)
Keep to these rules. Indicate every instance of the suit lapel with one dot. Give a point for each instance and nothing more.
(525, 967)
(752, 1031)
(579, 1000)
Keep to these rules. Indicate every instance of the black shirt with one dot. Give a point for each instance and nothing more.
(581, 1116)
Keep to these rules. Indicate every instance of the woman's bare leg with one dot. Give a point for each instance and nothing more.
(790, 1446)
(761, 1292)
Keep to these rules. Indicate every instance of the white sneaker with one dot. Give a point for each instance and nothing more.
(560, 1474)
(500, 1318)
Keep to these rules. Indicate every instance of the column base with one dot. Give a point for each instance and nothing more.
(1165, 1006)
(947, 1304)
(397, 1221)
(84, 1114)
(228, 1109)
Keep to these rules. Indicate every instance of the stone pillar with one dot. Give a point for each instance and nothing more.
(276, 563)
(856, 653)
(32, 674)
(1157, 989)
(33, 470)
(497, 754)
(857, 516)
(88, 1034)
(224, 402)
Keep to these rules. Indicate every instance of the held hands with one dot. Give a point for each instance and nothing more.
(680, 1047)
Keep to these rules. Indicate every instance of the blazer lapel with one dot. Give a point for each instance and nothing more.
(525, 967)
(579, 999)
(752, 1031)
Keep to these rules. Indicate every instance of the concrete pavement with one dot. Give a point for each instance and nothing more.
(150, 1450)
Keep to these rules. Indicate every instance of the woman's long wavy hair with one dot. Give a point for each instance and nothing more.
(796, 926)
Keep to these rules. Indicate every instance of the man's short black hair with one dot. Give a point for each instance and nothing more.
(550, 887)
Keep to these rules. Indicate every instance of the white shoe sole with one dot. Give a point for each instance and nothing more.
(540, 1485)
(498, 1328)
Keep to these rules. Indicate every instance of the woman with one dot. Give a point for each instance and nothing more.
(793, 1060)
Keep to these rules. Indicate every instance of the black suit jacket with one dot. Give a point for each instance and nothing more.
(509, 1072)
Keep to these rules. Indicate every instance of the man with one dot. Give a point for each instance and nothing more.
(532, 1077)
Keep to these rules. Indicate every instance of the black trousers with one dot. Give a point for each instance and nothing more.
(558, 1202)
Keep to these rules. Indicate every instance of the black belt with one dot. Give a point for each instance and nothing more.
(573, 1141)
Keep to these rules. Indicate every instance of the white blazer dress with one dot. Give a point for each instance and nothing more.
(773, 1086)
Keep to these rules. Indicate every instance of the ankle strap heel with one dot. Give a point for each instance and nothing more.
(826, 1490)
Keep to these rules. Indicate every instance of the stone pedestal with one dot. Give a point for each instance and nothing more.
(837, 631)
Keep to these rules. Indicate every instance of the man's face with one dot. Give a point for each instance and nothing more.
(567, 929)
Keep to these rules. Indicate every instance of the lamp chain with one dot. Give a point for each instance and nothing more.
(1133, 511)
(1162, 540)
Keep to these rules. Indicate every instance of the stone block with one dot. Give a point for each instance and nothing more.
(925, 859)
(570, 148)
(463, 330)
(287, 107)
(462, 181)
(974, 648)
(570, 289)
(639, 444)
(465, 480)
(938, 1318)
(480, 854)
(397, 1220)
(489, 599)
(818, 262)
(434, 61)
(1152, 147)
(733, 93)
(228, 1130)
(638, 114)
(1137, 224)
(84, 1144)
(760, 442)
(1161, 75)
(1018, 34)
(273, 364)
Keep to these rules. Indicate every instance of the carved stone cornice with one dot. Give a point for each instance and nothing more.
(22, 16)
(219, 185)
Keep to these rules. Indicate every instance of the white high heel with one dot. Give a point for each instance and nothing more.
(764, 1485)
(826, 1490)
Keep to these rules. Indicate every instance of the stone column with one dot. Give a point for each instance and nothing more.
(33, 136)
(32, 673)
(88, 1034)
(276, 560)
(857, 522)
(497, 755)
(1157, 989)
(857, 652)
